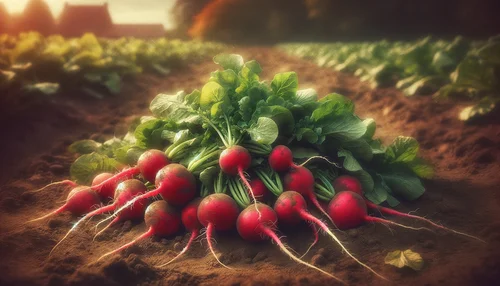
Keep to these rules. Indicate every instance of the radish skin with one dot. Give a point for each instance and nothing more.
(259, 189)
(107, 191)
(281, 159)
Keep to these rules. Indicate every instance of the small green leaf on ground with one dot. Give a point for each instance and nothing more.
(407, 258)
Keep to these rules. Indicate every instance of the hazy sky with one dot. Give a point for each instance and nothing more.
(122, 11)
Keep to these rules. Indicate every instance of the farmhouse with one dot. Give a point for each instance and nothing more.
(74, 21)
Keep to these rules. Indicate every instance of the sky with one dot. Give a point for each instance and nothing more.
(122, 11)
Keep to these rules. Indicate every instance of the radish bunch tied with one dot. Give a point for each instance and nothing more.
(219, 157)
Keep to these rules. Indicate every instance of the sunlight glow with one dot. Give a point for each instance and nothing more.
(122, 11)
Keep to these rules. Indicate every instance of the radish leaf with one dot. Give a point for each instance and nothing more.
(265, 131)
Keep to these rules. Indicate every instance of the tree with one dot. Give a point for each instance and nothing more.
(183, 13)
(250, 20)
(36, 17)
(4, 19)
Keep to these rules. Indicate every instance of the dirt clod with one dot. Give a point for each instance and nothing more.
(318, 260)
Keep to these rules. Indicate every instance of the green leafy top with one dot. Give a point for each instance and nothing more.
(236, 107)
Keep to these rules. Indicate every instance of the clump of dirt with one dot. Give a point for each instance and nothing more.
(460, 196)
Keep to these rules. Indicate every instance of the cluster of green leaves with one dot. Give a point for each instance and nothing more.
(425, 66)
(94, 66)
(236, 108)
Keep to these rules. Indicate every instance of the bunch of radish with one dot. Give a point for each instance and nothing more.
(223, 159)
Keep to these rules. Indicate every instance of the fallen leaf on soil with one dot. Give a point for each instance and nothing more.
(401, 259)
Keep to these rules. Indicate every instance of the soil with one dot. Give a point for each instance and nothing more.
(463, 195)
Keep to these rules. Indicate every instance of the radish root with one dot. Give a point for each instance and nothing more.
(323, 226)
(64, 182)
(209, 241)
(193, 236)
(283, 248)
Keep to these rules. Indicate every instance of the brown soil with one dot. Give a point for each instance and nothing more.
(463, 195)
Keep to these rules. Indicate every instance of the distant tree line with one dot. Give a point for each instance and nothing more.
(277, 20)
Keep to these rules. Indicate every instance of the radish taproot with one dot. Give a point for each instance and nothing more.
(256, 225)
(217, 212)
(349, 183)
(189, 218)
(161, 219)
(80, 200)
(291, 208)
(348, 210)
(125, 192)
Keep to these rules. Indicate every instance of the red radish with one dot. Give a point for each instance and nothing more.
(174, 183)
(125, 192)
(291, 207)
(150, 162)
(107, 191)
(161, 219)
(301, 180)
(349, 183)
(235, 160)
(281, 159)
(348, 210)
(217, 212)
(148, 165)
(189, 217)
(257, 222)
(260, 190)
(80, 200)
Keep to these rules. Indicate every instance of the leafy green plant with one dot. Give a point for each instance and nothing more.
(93, 66)
(236, 107)
(422, 67)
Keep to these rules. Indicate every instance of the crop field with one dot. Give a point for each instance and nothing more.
(201, 161)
